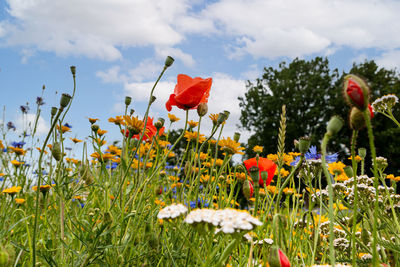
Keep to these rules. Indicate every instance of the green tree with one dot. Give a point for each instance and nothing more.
(312, 94)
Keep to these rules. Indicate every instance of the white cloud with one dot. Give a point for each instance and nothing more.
(302, 27)
(390, 59)
(176, 53)
(27, 122)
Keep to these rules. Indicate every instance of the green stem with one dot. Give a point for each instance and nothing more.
(355, 206)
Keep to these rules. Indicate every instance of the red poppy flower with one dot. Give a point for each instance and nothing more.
(371, 111)
(283, 259)
(355, 92)
(189, 93)
(264, 165)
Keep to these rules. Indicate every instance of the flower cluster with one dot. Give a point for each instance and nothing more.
(172, 211)
(385, 103)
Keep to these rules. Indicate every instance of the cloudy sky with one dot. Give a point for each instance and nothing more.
(119, 47)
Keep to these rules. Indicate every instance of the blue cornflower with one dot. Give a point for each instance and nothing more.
(24, 109)
(18, 144)
(67, 125)
(312, 154)
(10, 126)
(39, 101)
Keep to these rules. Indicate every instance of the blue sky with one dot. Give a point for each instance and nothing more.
(119, 47)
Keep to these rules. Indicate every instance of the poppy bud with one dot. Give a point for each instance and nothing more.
(227, 113)
(159, 190)
(73, 70)
(357, 121)
(334, 125)
(65, 98)
(362, 152)
(202, 109)
(153, 98)
(254, 173)
(95, 128)
(56, 151)
(236, 137)
(169, 61)
(348, 170)
(247, 189)
(365, 236)
(356, 91)
(264, 177)
(53, 111)
(304, 144)
(128, 100)
(277, 258)
(221, 118)
(131, 111)
(159, 123)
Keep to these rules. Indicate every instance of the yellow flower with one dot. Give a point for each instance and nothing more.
(357, 158)
(289, 191)
(91, 120)
(341, 177)
(390, 176)
(230, 146)
(242, 176)
(63, 128)
(135, 125)
(294, 154)
(114, 150)
(42, 188)
(105, 156)
(192, 136)
(19, 201)
(1, 145)
(271, 189)
(284, 172)
(203, 156)
(17, 163)
(1, 174)
(75, 140)
(101, 132)
(192, 124)
(336, 168)
(214, 118)
(258, 149)
(118, 120)
(218, 162)
(273, 157)
(99, 142)
(12, 190)
(212, 141)
(340, 207)
(17, 150)
(172, 118)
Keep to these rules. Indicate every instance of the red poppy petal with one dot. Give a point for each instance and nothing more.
(183, 81)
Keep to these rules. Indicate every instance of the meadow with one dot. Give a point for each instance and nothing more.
(136, 203)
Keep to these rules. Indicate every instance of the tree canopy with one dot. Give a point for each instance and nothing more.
(312, 93)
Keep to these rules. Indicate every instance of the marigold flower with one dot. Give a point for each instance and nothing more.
(12, 190)
(63, 128)
(17, 163)
(264, 165)
(19, 201)
(258, 149)
(192, 136)
(118, 120)
(43, 188)
(189, 92)
(17, 150)
(91, 120)
(172, 118)
(193, 124)
(75, 140)
(231, 147)
(336, 168)
(101, 132)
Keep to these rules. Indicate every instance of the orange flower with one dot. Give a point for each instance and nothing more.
(263, 165)
(91, 120)
(189, 93)
(75, 140)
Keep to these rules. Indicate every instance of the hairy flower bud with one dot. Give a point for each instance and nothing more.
(277, 258)
(95, 128)
(348, 170)
(334, 125)
(304, 144)
(202, 109)
(65, 99)
(356, 91)
(159, 123)
(56, 151)
(362, 152)
(247, 189)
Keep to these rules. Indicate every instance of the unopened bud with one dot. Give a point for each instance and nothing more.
(53, 111)
(277, 258)
(128, 100)
(65, 98)
(159, 123)
(221, 118)
(304, 144)
(95, 128)
(356, 91)
(56, 151)
(236, 137)
(202, 109)
(169, 61)
(131, 111)
(296, 143)
(334, 125)
(73, 70)
(348, 170)
(152, 99)
(254, 173)
(247, 189)
(227, 113)
(362, 152)
(264, 178)
(357, 121)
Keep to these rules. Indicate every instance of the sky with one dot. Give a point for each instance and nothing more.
(119, 48)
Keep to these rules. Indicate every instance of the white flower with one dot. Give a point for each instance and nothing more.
(385, 103)
(172, 211)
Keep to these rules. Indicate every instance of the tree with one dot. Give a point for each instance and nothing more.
(312, 94)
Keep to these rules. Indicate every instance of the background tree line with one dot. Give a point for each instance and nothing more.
(312, 93)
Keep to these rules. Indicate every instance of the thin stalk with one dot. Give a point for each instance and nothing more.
(355, 207)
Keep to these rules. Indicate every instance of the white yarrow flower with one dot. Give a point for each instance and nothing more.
(172, 211)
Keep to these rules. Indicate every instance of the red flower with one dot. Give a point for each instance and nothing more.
(354, 91)
(371, 111)
(283, 259)
(264, 165)
(189, 93)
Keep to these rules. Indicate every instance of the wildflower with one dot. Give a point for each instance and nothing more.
(289, 191)
(75, 140)
(336, 168)
(135, 126)
(189, 93)
(172, 211)
(264, 165)
(258, 149)
(18, 144)
(99, 142)
(118, 120)
(313, 156)
(357, 158)
(214, 118)
(17, 163)
(10, 126)
(385, 103)
(43, 188)
(63, 128)
(18, 151)
(150, 131)
(39, 101)
(114, 150)
(91, 120)
(192, 136)
(193, 124)
(230, 147)
(24, 109)
(241, 176)
(12, 190)
(172, 118)
(277, 258)
(19, 201)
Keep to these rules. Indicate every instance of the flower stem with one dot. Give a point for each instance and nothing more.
(355, 206)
